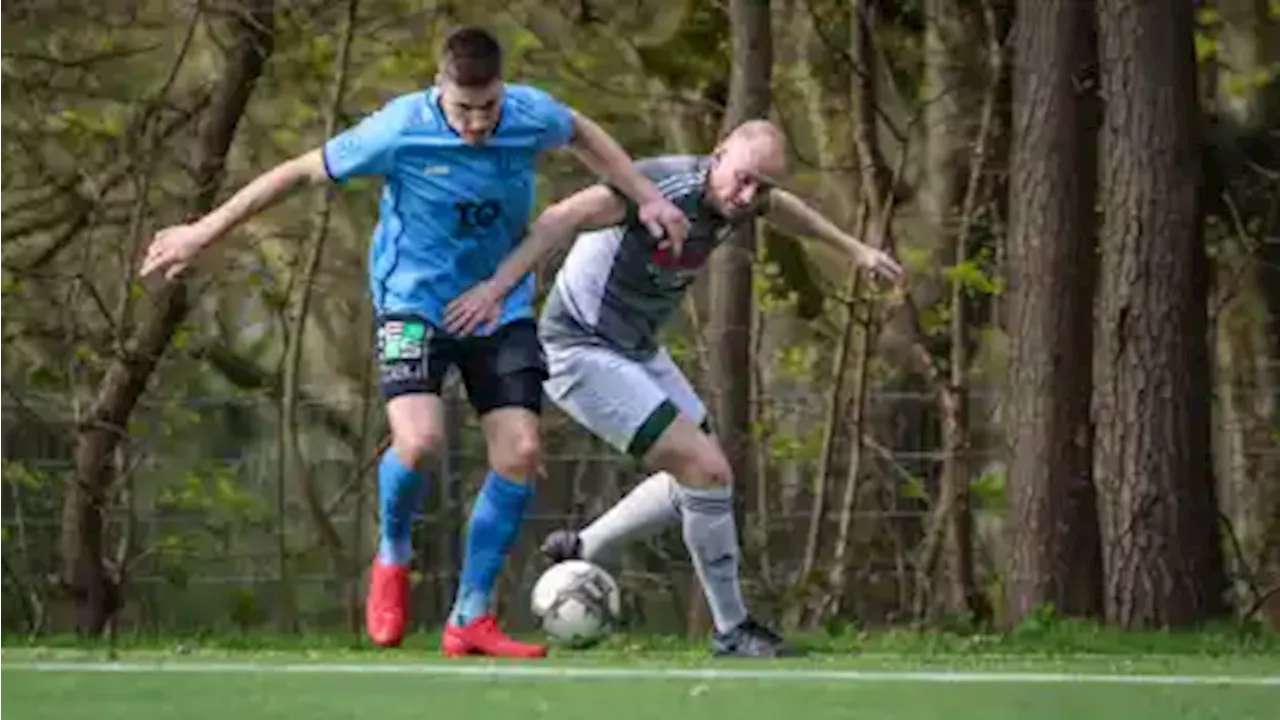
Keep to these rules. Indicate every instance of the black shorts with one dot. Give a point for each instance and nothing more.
(505, 369)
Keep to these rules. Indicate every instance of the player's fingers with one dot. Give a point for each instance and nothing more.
(479, 314)
(459, 319)
(152, 262)
(674, 234)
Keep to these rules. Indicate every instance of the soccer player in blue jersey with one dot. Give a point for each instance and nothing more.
(458, 160)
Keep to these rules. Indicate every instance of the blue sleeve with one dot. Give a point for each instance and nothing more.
(555, 117)
(368, 148)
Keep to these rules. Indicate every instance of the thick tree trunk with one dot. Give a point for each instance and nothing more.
(96, 595)
(1055, 556)
(1158, 513)
(731, 301)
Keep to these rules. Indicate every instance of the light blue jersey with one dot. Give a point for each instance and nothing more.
(450, 212)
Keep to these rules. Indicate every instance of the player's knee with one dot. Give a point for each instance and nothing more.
(714, 467)
(703, 466)
(416, 446)
(519, 456)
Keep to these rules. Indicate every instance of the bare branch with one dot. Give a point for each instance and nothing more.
(81, 62)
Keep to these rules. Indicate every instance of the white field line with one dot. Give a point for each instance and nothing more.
(553, 672)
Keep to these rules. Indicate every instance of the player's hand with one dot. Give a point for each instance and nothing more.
(172, 250)
(478, 307)
(666, 222)
(880, 265)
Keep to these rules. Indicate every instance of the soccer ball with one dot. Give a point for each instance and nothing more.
(576, 602)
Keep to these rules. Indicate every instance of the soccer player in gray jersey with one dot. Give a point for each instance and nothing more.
(617, 287)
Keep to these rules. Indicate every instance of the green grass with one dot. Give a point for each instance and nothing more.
(71, 696)
(385, 691)
(195, 695)
(1051, 637)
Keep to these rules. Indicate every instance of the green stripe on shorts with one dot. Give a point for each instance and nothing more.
(652, 428)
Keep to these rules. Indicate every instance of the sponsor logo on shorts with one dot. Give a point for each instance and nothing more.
(402, 340)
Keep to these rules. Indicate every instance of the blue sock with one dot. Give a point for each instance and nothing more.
(495, 523)
(400, 496)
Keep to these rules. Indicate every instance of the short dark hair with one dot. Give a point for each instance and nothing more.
(472, 57)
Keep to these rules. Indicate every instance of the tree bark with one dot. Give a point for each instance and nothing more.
(731, 300)
(1055, 556)
(96, 595)
(1161, 541)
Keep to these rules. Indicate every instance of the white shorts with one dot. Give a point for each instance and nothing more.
(625, 402)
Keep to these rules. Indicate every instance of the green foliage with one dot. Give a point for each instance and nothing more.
(19, 474)
(1208, 45)
(1044, 634)
(215, 493)
(975, 276)
(245, 610)
(913, 488)
(790, 275)
(988, 489)
(697, 55)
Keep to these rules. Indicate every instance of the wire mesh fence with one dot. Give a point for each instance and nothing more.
(206, 535)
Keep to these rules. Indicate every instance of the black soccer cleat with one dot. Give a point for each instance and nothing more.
(562, 545)
(751, 639)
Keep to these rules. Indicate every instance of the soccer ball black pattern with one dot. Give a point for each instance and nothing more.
(577, 603)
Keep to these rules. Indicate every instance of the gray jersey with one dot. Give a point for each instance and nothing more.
(616, 286)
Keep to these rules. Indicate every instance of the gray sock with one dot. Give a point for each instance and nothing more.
(711, 535)
(651, 506)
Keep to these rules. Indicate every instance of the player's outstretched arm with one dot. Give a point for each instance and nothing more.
(795, 215)
(595, 207)
(173, 248)
(597, 149)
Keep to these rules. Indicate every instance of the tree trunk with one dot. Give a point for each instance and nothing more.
(731, 298)
(1162, 557)
(1055, 556)
(96, 595)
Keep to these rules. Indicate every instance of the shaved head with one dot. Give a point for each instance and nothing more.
(752, 157)
(762, 131)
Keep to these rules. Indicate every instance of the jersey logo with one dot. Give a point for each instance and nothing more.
(676, 273)
(435, 170)
(691, 257)
(476, 217)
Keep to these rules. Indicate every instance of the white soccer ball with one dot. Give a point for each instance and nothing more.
(576, 602)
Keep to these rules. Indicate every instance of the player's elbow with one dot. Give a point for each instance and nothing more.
(589, 209)
(307, 168)
(558, 221)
